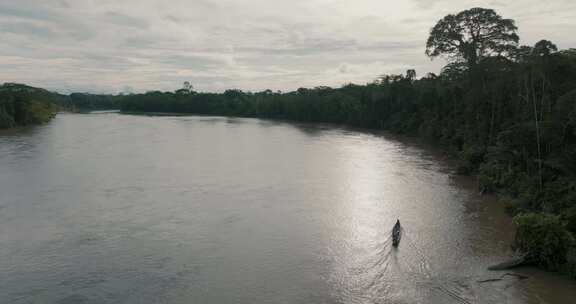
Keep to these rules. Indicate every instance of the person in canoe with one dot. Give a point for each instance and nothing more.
(396, 234)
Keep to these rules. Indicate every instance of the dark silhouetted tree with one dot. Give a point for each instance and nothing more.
(472, 35)
(544, 48)
(186, 89)
(411, 74)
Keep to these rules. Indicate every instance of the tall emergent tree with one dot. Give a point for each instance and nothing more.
(472, 35)
(187, 88)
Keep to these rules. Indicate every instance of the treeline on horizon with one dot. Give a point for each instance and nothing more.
(506, 112)
(22, 105)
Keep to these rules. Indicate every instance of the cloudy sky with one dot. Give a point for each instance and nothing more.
(138, 45)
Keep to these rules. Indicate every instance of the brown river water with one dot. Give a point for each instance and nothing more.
(111, 208)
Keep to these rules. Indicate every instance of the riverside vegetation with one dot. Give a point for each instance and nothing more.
(22, 105)
(506, 112)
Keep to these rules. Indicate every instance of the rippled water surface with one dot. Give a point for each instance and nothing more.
(110, 208)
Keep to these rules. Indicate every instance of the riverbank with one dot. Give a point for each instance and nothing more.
(22, 105)
(30, 113)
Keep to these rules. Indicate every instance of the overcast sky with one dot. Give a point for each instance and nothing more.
(138, 45)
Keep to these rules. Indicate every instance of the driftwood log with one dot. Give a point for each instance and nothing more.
(519, 276)
(512, 263)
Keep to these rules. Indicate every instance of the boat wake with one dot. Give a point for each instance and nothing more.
(398, 274)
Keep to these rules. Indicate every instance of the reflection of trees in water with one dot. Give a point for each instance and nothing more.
(23, 141)
(310, 129)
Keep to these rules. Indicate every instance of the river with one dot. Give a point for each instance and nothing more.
(112, 208)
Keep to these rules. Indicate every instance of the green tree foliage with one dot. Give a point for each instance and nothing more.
(22, 105)
(545, 240)
(472, 35)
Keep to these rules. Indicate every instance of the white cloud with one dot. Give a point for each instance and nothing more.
(110, 45)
